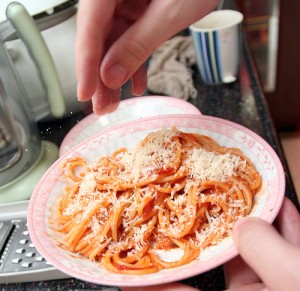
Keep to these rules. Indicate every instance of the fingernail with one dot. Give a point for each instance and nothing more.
(81, 93)
(242, 224)
(116, 76)
(138, 93)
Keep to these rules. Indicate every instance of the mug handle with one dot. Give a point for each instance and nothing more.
(28, 31)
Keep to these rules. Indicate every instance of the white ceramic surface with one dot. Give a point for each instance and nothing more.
(217, 40)
(128, 110)
(266, 204)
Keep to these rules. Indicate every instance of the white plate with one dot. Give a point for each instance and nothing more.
(266, 204)
(128, 110)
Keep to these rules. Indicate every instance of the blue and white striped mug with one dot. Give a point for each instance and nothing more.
(217, 42)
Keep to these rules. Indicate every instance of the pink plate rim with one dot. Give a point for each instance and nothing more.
(275, 179)
(174, 102)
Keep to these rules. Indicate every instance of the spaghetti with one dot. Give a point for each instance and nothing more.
(174, 190)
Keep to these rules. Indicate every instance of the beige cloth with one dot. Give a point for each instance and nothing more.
(169, 71)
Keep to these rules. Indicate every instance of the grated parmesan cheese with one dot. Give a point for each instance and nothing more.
(204, 165)
(157, 154)
(153, 153)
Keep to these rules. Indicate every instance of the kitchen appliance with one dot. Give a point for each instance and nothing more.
(23, 156)
(19, 259)
(56, 23)
(30, 90)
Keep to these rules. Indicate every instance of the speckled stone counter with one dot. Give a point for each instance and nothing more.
(242, 102)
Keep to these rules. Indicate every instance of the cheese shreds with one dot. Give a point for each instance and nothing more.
(173, 188)
(153, 153)
(88, 185)
(204, 165)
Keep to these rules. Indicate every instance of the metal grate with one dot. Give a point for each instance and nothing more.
(17, 252)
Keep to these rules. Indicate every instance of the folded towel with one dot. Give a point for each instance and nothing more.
(170, 72)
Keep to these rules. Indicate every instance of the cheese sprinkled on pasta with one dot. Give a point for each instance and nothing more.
(174, 190)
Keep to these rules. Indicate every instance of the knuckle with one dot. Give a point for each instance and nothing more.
(136, 52)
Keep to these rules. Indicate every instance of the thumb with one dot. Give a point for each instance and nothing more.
(275, 260)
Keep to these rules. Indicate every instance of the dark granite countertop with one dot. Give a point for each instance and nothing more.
(242, 102)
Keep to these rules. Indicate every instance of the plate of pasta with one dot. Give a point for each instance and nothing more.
(153, 201)
(128, 110)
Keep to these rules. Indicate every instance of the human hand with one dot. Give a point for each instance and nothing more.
(115, 38)
(270, 259)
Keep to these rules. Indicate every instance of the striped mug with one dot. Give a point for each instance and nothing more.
(217, 42)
